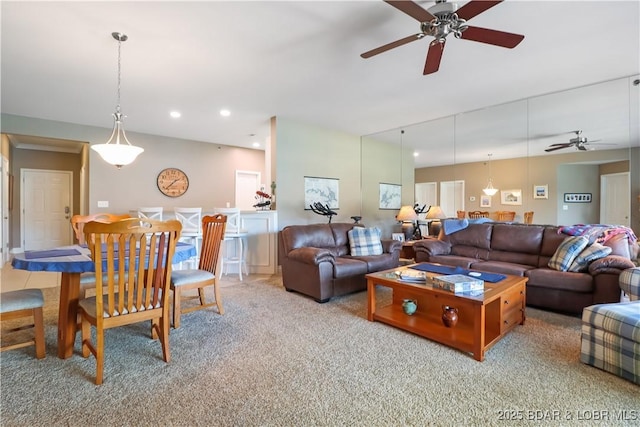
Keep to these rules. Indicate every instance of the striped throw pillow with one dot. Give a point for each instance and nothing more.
(568, 250)
(365, 241)
(590, 253)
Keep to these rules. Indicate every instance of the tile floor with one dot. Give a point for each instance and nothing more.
(12, 279)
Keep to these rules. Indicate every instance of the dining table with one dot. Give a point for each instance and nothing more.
(72, 261)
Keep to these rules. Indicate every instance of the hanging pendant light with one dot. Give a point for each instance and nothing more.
(489, 190)
(118, 151)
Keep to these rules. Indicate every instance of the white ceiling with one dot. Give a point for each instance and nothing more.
(294, 59)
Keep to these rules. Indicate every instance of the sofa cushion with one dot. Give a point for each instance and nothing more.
(568, 250)
(588, 254)
(454, 260)
(502, 267)
(365, 241)
(559, 280)
(347, 267)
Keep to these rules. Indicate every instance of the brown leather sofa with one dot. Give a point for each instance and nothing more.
(316, 261)
(525, 250)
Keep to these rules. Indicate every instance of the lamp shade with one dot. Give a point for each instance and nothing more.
(435, 212)
(407, 214)
(489, 190)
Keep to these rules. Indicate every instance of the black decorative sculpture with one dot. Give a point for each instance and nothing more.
(324, 210)
(356, 219)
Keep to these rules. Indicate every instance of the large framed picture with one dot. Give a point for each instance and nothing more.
(540, 191)
(511, 197)
(321, 190)
(390, 196)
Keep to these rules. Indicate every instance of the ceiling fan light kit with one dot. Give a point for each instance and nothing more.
(118, 151)
(446, 18)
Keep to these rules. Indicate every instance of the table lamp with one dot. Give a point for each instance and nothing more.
(407, 216)
(435, 214)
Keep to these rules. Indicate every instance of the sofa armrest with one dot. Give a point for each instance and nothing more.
(310, 255)
(432, 247)
(390, 246)
(630, 283)
(610, 264)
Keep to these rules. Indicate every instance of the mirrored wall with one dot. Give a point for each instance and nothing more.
(590, 175)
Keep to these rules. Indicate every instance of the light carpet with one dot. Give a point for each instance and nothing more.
(280, 359)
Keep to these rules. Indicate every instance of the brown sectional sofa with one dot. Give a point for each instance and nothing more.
(316, 260)
(525, 250)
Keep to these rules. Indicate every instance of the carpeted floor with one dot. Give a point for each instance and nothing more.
(279, 359)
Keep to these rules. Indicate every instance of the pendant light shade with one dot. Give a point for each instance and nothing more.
(489, 190)
(118, 151)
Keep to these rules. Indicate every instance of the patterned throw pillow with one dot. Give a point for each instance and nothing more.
(590, 253)
(568, 250)
(365, 241)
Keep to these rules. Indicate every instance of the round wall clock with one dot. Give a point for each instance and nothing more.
(173, 182)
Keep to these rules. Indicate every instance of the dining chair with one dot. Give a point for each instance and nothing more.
(24, 303)
(506, 215)
(460, 214)
(191, 220)
(238, 236)
(88, 280)
(528, 217)
(478, 214)
(144, 253)
(207, 273)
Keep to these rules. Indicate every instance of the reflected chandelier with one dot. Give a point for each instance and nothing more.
(118, 151)
(489, 190)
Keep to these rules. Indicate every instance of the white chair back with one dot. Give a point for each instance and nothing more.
(150, 213)
(234, 221)
(191, 220)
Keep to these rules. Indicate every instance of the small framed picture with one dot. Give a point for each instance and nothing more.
(485, 201)
(540, 191)
(577, 197)
(398, 236)
(511, 197)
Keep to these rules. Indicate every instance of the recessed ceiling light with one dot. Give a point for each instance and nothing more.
(256, 144)
(416, 154)
(225, 113)
(175, 114)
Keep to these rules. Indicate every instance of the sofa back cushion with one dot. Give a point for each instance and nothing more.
(365, 241)
(340, 232)
(312, 235)
(551, 239)
(519, 244)
(471, 242)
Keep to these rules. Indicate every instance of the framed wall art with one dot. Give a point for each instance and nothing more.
(540, 191)
(390, 196)
(321, 190)
(511, 197)
(577, 197)
(485, 201)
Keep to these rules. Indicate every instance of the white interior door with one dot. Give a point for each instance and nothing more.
(4, 210)
(451, 197)
(247, 183)
(615, 206)
(426, 193)
(46, 208)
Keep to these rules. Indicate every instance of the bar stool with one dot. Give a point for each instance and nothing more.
(234, 233)
(191, 220)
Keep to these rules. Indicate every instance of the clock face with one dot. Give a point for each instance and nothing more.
(173, 182)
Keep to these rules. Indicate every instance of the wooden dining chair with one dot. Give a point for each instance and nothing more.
(207, 273)
(88, 280)
(478, 214)
(528, 217)
(23, 303)
(460, 214)
(506, 215)
(144, 253)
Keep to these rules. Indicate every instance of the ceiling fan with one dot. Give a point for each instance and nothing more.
(446, 18)
(580, 142)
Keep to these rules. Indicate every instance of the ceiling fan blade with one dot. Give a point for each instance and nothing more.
(554, 147)
(475, 7)
(494, 37)
(434, 55)
(391, 45)
(412, 9)
(548, 150)
(562, 144)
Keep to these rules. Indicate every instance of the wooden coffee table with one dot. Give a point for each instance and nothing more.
(483, 319)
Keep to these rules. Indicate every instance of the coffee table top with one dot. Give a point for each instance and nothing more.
(490, 292)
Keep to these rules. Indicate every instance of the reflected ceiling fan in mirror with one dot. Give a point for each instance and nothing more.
(580, 142)
(446, 18)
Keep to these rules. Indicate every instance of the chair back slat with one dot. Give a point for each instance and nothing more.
(506, 215)
(213, 230)
(78, 222)
(478, 214)
(135, 260)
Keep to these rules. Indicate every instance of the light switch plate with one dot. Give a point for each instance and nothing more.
(103, 203)
(565, 207)
(472, 199)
